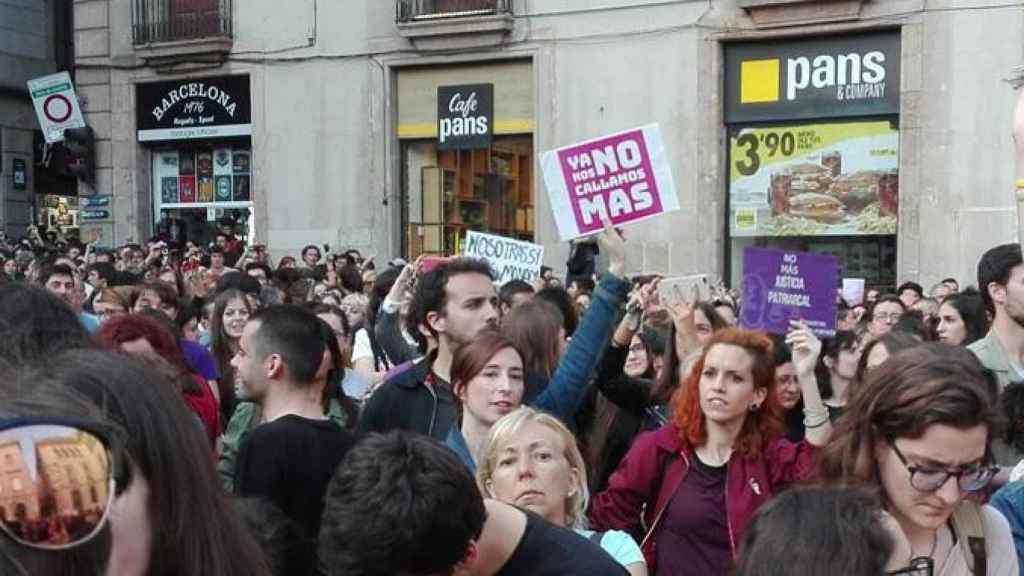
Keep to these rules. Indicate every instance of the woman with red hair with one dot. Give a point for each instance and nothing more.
(694, 484)
(146, 336)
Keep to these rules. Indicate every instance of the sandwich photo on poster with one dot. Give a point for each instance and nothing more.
(836, 179)
(624, 177)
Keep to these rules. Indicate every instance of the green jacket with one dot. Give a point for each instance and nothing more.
(247, 416)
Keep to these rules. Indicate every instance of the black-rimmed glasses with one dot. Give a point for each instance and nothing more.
(57, 483)
(926, 479)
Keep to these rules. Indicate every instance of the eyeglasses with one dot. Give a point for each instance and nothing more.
(58, 483)
(931, 479)
(923, 566)
(888, 317)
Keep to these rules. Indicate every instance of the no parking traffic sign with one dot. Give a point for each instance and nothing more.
(56, 105)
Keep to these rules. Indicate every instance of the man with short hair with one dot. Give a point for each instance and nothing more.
(952, 283)
(1001, 282)
(884, 314)
(454, 303)
(100, 275)
(513, 293)
(289, 459)
(910, 293)
(218, 264)
(59, 280)
(402, 504)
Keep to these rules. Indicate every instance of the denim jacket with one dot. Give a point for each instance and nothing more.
(565, 392)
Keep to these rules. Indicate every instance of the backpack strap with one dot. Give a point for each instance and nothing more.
(969, 528)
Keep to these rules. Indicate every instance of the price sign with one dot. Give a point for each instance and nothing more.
(814, 180)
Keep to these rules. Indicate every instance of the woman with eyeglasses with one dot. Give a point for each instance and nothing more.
(884, 314)
(919, 431)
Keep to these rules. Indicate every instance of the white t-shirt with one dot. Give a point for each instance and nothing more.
(361, 347)
(619, 546)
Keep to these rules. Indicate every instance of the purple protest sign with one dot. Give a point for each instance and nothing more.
(780, 286)
(624, 176)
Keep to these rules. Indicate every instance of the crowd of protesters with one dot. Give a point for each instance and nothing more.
(329, 414)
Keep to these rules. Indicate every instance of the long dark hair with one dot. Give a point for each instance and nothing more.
(830, 348)
(222, 347)
(195, 530)
(919, 387)
(972, 312)
(532, 327)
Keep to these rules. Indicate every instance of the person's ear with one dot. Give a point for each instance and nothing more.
(437, 322)
(466, 566)
(760, 394)
(274, 366)
(574, 482)
(828, 362)
(997, 292)
(489, 489)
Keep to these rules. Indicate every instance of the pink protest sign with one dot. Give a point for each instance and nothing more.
(624, 176)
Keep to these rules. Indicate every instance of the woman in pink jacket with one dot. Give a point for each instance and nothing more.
(690, 488)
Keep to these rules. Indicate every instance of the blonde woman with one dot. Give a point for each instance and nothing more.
(530, 460)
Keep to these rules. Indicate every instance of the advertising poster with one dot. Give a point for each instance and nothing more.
(206, 189)
(187, 189)
(222, 184)
(625, 177)
(781, 286)
(169, 190)
(511, 259)
(836, 179)
(241, 189)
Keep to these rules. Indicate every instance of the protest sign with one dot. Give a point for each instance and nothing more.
(511, 259)
(853, 291)
(780, 286)
(625, 177)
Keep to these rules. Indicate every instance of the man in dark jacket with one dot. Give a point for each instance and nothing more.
(453, 303)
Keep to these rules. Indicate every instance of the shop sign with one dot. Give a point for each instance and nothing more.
(98, 201)
(465, 116)
(20, 175)
(624, 177)
(96, 214)
(836, 179)
(56, 105)
(194, 108)
(509, 258)
(843, 76)
(780, 287)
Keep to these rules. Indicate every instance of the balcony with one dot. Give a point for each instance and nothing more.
(454, 24)
(167, 33)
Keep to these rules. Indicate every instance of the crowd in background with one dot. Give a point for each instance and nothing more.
(330, 414)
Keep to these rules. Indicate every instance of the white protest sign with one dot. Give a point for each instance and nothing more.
(56, 105)
(624, 176)
(511, 259)
(853, 291)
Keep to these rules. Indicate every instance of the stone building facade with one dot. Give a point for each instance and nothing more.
(339, 142)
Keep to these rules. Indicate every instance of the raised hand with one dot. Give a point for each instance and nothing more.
(613, 244)
(806, 347)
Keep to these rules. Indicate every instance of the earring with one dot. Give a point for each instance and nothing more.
(754, 407)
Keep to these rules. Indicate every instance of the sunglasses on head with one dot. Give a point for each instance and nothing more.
(58, 479)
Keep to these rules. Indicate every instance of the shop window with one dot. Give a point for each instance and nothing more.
(197, 187)
(447, 193)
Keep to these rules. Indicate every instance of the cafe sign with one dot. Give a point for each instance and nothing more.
(194, 108)
(465, 116)
(856, 75)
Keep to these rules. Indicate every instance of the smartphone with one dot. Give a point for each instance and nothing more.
(430, 263)
(684, 288)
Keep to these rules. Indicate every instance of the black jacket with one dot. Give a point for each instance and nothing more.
(405, 399)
